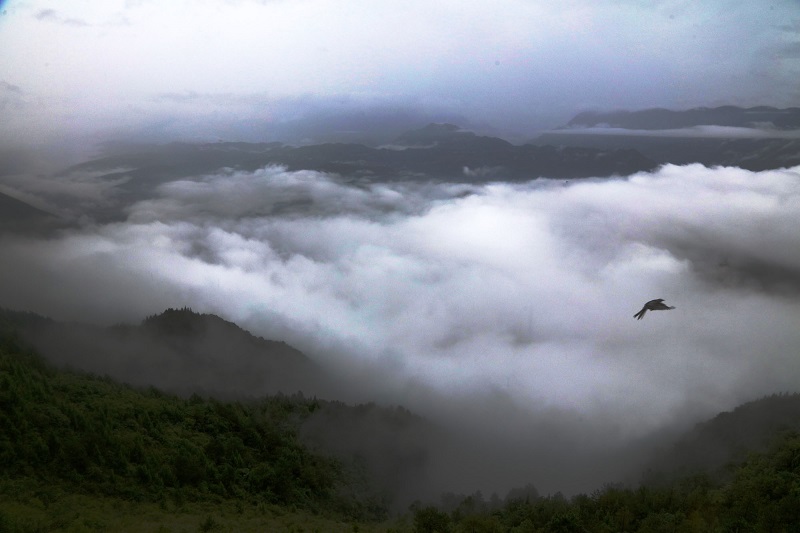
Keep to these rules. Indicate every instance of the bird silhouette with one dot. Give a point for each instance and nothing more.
(653, 305)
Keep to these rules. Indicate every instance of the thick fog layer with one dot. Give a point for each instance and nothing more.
(504, 311)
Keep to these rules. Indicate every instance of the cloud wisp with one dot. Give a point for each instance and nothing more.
(504, 309)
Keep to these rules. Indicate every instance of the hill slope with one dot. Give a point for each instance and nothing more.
(728, 437)
(386, 449)
(178, 350)
(65, 435)
(17, 216)
(112, 439)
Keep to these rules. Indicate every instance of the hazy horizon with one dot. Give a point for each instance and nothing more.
(252, 69)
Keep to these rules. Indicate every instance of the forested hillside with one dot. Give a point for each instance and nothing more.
(728, 437)
(93, 436)
(86, 453)
(762, 495)
(177, 350)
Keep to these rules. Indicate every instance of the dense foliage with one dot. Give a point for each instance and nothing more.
(65, 435)
(100, 436)
(761, 494)
(727, 437)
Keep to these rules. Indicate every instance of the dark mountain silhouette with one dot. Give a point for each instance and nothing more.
(445, 151)
(750, 154)
(442, 134)
(448, 151)
(435, 152)
(727, 438)
(664, 119)
(584, 147)
(441, 151)
(765, 150)
(178, 350)
(18, 216)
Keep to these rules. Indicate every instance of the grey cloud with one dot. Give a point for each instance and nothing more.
(51, 15)
(791, 50)
(46, 14)
(12, 97)
(303, 119)
(792, 27)
(10, 87)
(69, 194)
(274, 192)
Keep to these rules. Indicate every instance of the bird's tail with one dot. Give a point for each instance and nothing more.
(640, 314)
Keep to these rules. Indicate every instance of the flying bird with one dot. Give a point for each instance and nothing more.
(653, 305)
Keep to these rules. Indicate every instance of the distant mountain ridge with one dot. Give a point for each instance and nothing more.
(592, 144)
(16, 215)
(756, 138)
(664, 119)
(439, 133)
(436, 151)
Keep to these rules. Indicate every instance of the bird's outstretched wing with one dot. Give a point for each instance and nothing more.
(653, 305)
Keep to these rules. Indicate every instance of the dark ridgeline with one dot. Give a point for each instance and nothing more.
(665, 119)
(71, 432)
(435, 152)
(180, 351)
(443, 152)
(710, 149)
(17, 216)
(144, 443)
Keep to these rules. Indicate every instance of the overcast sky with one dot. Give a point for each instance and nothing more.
(208, 68)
